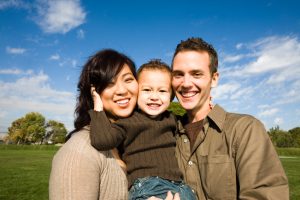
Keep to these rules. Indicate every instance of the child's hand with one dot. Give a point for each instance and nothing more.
(98, 105)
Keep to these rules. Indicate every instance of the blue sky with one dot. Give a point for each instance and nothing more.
(44, 44)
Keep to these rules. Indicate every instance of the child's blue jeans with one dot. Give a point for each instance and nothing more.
(144, 188)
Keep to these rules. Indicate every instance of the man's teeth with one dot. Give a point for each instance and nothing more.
(124, 101)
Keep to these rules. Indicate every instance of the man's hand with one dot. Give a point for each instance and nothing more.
(169, 197)
(98, 105)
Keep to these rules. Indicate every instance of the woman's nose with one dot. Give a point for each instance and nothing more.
(120, 89)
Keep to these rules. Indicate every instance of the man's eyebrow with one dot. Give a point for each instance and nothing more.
(176, 71)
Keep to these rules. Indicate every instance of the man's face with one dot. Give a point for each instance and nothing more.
(192, 80)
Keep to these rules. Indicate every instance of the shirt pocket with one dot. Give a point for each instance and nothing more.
(218, 176)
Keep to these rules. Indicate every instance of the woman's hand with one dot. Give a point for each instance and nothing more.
(169, 197)
(98, 105)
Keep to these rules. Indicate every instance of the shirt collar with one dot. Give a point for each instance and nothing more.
(217, 115)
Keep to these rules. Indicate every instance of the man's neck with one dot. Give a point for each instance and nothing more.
(194, 116)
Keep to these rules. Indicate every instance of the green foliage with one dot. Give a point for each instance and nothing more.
(56, 131)
(281, 138)
(32, 128)
(295, 132)
(28, 129)
(176, 108)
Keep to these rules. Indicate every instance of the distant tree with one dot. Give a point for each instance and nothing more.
(176, 108)
(28, 129)
(56, 132)
(281, 138)
(295, 132)
(16, 132)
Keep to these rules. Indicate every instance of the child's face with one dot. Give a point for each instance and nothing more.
(154, 92)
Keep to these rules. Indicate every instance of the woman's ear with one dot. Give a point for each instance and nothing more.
(215, 79)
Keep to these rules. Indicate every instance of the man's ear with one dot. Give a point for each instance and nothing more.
(215, 79)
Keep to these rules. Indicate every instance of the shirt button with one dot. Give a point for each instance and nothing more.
(193, 191)
(190, 163)
(185, 140)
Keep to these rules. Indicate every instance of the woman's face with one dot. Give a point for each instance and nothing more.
(120, 96)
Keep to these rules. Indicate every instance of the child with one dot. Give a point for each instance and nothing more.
(146, 137)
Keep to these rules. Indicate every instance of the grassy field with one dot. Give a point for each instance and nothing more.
(24, 171)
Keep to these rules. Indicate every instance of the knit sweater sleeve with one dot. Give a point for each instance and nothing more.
(104, 134)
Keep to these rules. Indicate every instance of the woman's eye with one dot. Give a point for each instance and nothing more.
(129, 80)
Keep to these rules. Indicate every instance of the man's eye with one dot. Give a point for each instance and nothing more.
(163, 91)
(177, 75)
(197, 75)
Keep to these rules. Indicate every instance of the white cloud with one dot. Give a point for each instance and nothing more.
(69, 62)
(225, 90)
(60, 16)
(12, 4)
(11, 50)
(15, 72)
(80, 34)
(55, 57)
(276, 55)
(34, 94)
(232, 58)
(269, 112)
(278, 121)
(239, 45)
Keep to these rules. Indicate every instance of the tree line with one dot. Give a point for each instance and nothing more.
(33, 128)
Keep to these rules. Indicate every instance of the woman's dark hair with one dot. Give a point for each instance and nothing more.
(99, 71)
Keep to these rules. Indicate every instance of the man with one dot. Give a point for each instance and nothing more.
(223, 155)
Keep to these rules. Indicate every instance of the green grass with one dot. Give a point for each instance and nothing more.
(291, 166)
(24, 171)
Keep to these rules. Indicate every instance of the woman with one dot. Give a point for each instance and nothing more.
(78, 170)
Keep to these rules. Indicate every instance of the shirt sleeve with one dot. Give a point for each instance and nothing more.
(259, 171)
(104, 134)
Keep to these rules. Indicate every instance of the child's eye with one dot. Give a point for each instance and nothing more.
(163, 91)
(146, 90)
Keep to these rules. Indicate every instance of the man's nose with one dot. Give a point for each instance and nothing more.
(186, 81)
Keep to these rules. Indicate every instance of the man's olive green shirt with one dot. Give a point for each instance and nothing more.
(235, 160)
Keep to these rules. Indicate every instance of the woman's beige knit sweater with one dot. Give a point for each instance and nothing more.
(81, 172)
